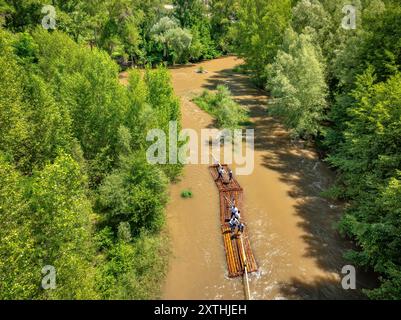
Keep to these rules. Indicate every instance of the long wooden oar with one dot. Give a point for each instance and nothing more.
(246, 279)
(215, 160)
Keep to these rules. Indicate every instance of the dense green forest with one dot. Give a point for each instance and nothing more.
(76, 191)
(139, 32)
(342, 89)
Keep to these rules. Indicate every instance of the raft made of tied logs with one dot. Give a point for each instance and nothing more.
(239, 255)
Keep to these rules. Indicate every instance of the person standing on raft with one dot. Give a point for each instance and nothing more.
(220, 171)
(234, 223)
(235, 212)
(241, 228)
(230, 175)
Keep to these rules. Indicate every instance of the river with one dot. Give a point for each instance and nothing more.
(291, 226)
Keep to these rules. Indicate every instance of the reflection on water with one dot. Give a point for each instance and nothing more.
(291, 227)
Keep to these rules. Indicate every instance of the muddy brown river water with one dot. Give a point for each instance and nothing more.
(291, 227)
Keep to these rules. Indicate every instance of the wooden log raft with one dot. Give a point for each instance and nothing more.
(231, 192)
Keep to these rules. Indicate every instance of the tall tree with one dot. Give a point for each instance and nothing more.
(297, 84)
(259, 32)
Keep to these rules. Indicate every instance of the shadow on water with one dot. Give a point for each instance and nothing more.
(319, 289)
(307, 177)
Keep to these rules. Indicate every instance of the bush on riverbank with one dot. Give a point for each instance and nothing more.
(221, 105)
